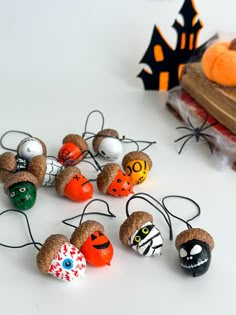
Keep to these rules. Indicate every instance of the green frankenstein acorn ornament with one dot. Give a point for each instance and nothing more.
(22, 188)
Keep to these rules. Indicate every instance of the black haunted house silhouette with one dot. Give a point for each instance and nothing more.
(164, 62)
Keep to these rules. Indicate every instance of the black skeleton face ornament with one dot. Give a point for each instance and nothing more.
(194, 246)
(195, 257)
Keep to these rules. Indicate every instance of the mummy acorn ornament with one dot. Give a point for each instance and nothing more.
(194, 246)
(106, 142)
(113, 181)
(73, 185)
(137, 165)
(74, 149)
(219, 63)
(10, 164)
(31, 147)
(22, 188)
(45, 169)
(59, 258)
(139, 233)
(90, 239)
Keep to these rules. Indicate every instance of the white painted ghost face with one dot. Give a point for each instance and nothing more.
(195, 257)
(29, 148)
(147, 241)
(110, 148)
(53, 168)
(69, 264)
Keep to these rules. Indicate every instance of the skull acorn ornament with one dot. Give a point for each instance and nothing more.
(194, 246)
(72, 150)
(30, 147)
(21, 188)
(137, 165)
(59, 258)
(112, 180)
(9, 163)
(106, 142)
(45, 169)
(89, 237)
(139, 233)
(73, 185)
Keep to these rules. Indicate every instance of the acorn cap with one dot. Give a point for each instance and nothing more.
(38, 167)
(83, 231)
(101, 135)
(20, 177)
(78, 141)
(49, 251)
(106, 177)
(132, 224)
(194, 234)
(136, 155)
(64, 177)
(7, 165)
(42, 143)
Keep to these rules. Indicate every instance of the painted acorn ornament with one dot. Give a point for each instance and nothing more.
(72, 150)
(31, 147)
(89, 237)
(45, 169)
(107, 143)
(73, 185)
(194, 246)
(22, 188)
(139, 233)
(137, 165)
(59, 258)
(10, 164)
(113, 181)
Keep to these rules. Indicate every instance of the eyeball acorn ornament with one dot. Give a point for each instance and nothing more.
(137, 165)
(22, 188)
(59, 258)
(106, 142)
(10, 164)
(73, 185)
(74, 148)
(45, 169)
(194, 246)
(112, 180)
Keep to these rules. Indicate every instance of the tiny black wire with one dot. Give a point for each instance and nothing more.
(165, 214)
(81, 215)
(29, 230)
(87, 119)
(97, 166)
(178, 218)
(12, 131)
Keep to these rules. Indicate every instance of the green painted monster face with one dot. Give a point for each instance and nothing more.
(22, 195)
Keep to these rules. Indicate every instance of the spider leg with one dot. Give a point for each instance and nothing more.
(205, 134)
(204, 122)
(185, 143)
(208, 142)
(190, 123)
(189, 134)
(184, 127)
(213, 124)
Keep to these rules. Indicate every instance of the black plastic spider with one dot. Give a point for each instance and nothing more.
(196, 132)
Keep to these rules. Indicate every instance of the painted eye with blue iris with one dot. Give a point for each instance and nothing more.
(68, 263)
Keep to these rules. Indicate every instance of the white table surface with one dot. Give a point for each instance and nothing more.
(59, 60)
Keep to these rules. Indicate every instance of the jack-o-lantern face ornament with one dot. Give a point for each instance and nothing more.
(89, 237)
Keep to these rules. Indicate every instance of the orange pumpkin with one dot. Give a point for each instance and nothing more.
(219, 63)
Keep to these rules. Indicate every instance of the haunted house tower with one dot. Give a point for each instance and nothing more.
(165, 63)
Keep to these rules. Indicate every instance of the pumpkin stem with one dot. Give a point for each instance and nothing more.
(232, 45)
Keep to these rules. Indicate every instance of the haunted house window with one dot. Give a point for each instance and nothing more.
(183, 40)
(163, 81)
(158, 53)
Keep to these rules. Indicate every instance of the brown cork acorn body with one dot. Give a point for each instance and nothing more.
(7, 165)
(64, 177)
(37, 167)
(19, 177)
(106, 177)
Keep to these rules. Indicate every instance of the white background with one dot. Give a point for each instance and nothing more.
(59, 60)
